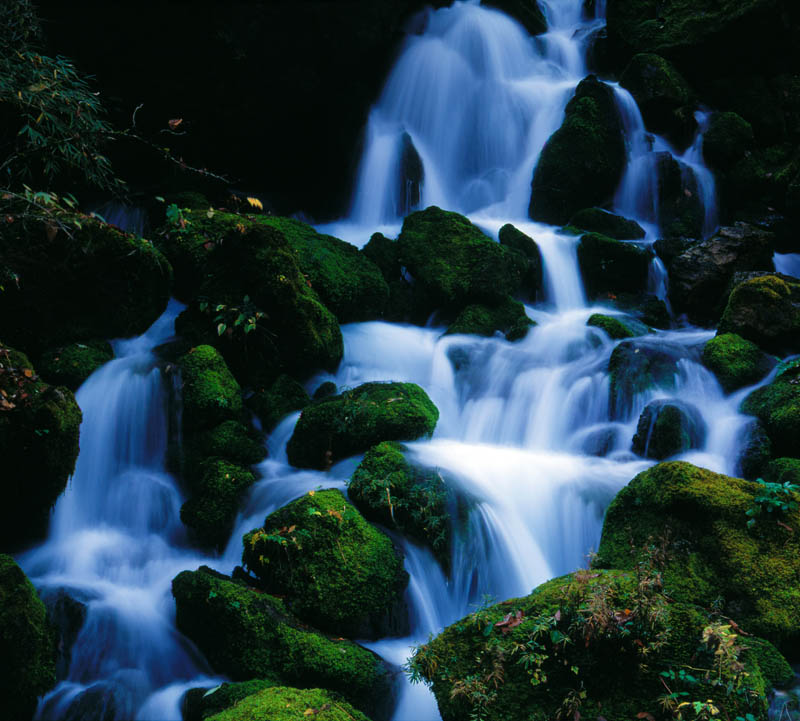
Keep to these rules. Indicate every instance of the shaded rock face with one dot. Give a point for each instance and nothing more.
(700, 275)
(412, 175)
(755, 453)
(680, 209)
(597, 220)
(667, 428)
(517, 240)
(636, 366)
(583, 161)
(611, 266)
(726, 141)
(765, 310)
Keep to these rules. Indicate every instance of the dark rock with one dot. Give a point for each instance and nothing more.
(324, 390)
(670, 248)
(511, 237)
(412, 175)
(527, 13)
(728, 138)
(634, 367)
(611, 266)
(67, 615)
(597, 220)
(680, 207)
(284, 396)
(755, 453)
(507, 317)
(667, 428)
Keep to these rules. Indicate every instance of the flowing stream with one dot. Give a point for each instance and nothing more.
(526, 433)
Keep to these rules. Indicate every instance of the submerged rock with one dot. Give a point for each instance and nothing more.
(583, 161)
(611, 266)
(711, 554)
(339, 426)
(332, 567)
(667, 428)
(247, 634)
(735, 362)
(597, 220)
(27, 643)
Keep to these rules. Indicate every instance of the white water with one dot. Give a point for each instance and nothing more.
(525, 435)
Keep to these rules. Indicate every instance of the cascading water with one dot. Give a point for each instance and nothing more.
(527, 435)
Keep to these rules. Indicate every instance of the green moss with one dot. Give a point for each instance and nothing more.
(247, 634)
(668, 428)
(335, 569)
(617, 328)
(507, 317)
(582, 162)
(352, 422)
(71, 365)
(777, 406)
(527, 658)
(775, 668)
(211, 394)
(66, 285)
(680, 207)
(200, 703)
(389, 490)
(735, 362)
(27, 643)
(611, 266)
(766, 311)
(515, 239)
(230, 440)
(39, 429)
(290, 704)
(782, 470)
(216, 493)
(325, 390)
(597, 220)
(283, 397)
(453, 263)
(727, 139)
(348, 283)
(713, 558)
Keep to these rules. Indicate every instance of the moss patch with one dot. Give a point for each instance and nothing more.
(291, 704)
(352, 422)
(735, 362)
(777, 406)
(617, 328)
(71, 365)
(210, 392)
(335, 569)
(507, 317)
(283, 397)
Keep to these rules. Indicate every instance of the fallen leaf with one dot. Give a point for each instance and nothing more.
(174, 123)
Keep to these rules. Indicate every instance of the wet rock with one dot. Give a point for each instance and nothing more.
(667, 428)
(699, 275)
(285, 395)
(507, 317)
(511, 237)
(71, 365)
(726, 141)
(777, 406)
(680, 208)
(634, 367)
(597, 220)
(755, 453)
(325, 390)
(617, 327)
(412, 175)
(583, 161)
(735, 362)
(67, 615)
(611, 266)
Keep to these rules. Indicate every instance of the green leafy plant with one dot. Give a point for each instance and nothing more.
(772, 500)
(229, 318)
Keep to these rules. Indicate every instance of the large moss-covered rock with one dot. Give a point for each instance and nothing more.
(663, 96)
(726, 141)
(453, 263)
(712, 554)
(27, 643)
(247, 266)
(766, 311)
(201, 703)
(611, 266)
(333, 568)
(404, 304)
(66, 285)
(777, 406)
(352, 422)
(514, 238)
(507, 317)
(72, 364)
(582, 162)
(348, 283)
(576, 646)
(281, 703)
(597, 220)
(635, 367)
(387, 489)
(667, 428)
(230, 440)
(39, 429)
(700, 275)
(248, 634)
(735, 362)
(211, 394)
(284, 396)
(680, 207)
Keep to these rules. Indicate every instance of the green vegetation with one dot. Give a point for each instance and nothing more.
(333, 568)
(728, 138)
(616, 327)
(27, 643)
(515, 239)
(210, 392)
(340, 426)
(507, 317)
(247, 634)
(735, 362)
(290, 704)
(200, 703)
(71, 365)
(777, 406)
(667, 428)
(283, 397)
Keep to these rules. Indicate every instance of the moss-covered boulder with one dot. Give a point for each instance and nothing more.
(582, 163)
(72, 364)
(777, 406)
(39, 429)
(453, 263)
(230, 440)
(667, 428)
(348, 283)
(96, 282)
(248, 634)
(713, 557)
(281, 703)
(352, 422)
(735, 362)
(680, 206)
(597, 220)
(699, 276)
(726, 141)
(617, 327)
(611, 266)
(241, 266)
(507, 317)
(515, 239)
(201, 703)
(210, 393)
(27, 643)
(663, 96)
(333, 568)
(635, 367)
(404, 304)
(284, 396)
(766, 311)
(388, 490)
(576, 647)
